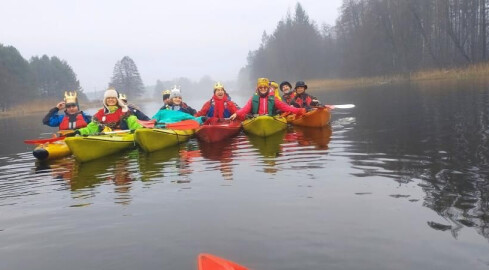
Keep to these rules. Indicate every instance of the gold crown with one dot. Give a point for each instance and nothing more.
(274, 84)
(122, 96)
(70, 97)
(166, 92)
(218, 85)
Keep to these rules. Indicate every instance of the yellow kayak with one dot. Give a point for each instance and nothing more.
(152, 139)
(97, 146)
(264, 125)
(51, 151)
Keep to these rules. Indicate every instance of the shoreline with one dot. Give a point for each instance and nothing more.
(472, 72)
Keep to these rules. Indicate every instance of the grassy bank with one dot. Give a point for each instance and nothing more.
(41, 107)
(468, 73)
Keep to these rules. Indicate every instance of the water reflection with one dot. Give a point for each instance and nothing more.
(435, 135)
(157, 164)
(222, 153)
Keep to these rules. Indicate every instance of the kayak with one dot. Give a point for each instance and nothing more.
(152, 139)
(214, 132)
(264, 125)
(96, 146)
(51, 151)
(319, 117)
(211, 262)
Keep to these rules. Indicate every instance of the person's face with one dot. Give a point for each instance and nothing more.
(177, 100)
(219, 93)
(111, 101)
(71, 108)
(263, 89)
(300, 90)
(286, 89)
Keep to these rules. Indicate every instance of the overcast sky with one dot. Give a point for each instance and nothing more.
(166, 39)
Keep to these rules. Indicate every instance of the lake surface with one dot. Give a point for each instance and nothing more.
(398, 182)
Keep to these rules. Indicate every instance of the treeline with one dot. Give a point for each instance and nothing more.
(40, 77)
(372, 38)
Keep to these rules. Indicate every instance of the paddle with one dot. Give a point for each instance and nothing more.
(182, 125)
(42, 141)
(211, 262)
(340, 106)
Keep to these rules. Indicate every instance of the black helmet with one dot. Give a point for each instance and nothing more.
(300, 84)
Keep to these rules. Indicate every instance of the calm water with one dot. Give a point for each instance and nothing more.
(399, 182)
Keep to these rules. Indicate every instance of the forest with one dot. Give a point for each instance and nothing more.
(373, 38)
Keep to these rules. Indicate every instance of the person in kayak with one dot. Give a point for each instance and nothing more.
(72, 118)
(219, 106)
(288, 94)
(274, 90)
(134, 109)
(114, 115)
(166, 96)
(263, 103)
(176, 103)
(302, 99)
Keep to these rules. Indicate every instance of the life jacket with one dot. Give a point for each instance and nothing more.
(303, 100)
(112, 120)
(226, 113)
(72, 121)
(288, 98)
(270, 104)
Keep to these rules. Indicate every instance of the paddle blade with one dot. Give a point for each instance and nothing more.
(183, 125)
(211, 262)
(341, 106)
(148, 123)
(42, 141)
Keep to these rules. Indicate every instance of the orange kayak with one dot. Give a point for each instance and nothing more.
(318, 117)
(218, 131)
(211, 262)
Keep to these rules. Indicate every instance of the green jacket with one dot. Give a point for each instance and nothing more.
(94, 127)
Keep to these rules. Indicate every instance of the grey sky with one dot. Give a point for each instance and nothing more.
(166, 39)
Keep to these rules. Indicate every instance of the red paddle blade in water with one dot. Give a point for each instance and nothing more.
(41, 141)
(211, 262)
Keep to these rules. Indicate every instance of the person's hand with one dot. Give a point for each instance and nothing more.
(301, 112)
(60, 105)
(232, 117)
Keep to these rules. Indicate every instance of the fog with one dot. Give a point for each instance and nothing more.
(166, 39)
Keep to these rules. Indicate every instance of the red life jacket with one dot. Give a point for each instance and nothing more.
(73, 121)
(112, 120)
(303, 100)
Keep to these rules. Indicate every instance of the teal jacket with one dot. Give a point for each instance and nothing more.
(168, 116)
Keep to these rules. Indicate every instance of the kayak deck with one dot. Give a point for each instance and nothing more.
(152, 139)
(264, 125)
(93, 147)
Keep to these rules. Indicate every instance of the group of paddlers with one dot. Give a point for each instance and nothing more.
(117, 113)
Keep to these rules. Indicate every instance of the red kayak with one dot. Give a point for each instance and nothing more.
(211, 262)
(214, 130)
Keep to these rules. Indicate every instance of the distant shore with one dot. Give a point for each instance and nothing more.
(41, 106)
(472, 72)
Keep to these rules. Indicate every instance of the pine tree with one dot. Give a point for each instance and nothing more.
(53, 76)
(126, 79)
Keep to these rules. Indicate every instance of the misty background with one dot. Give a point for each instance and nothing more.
(54, 46)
